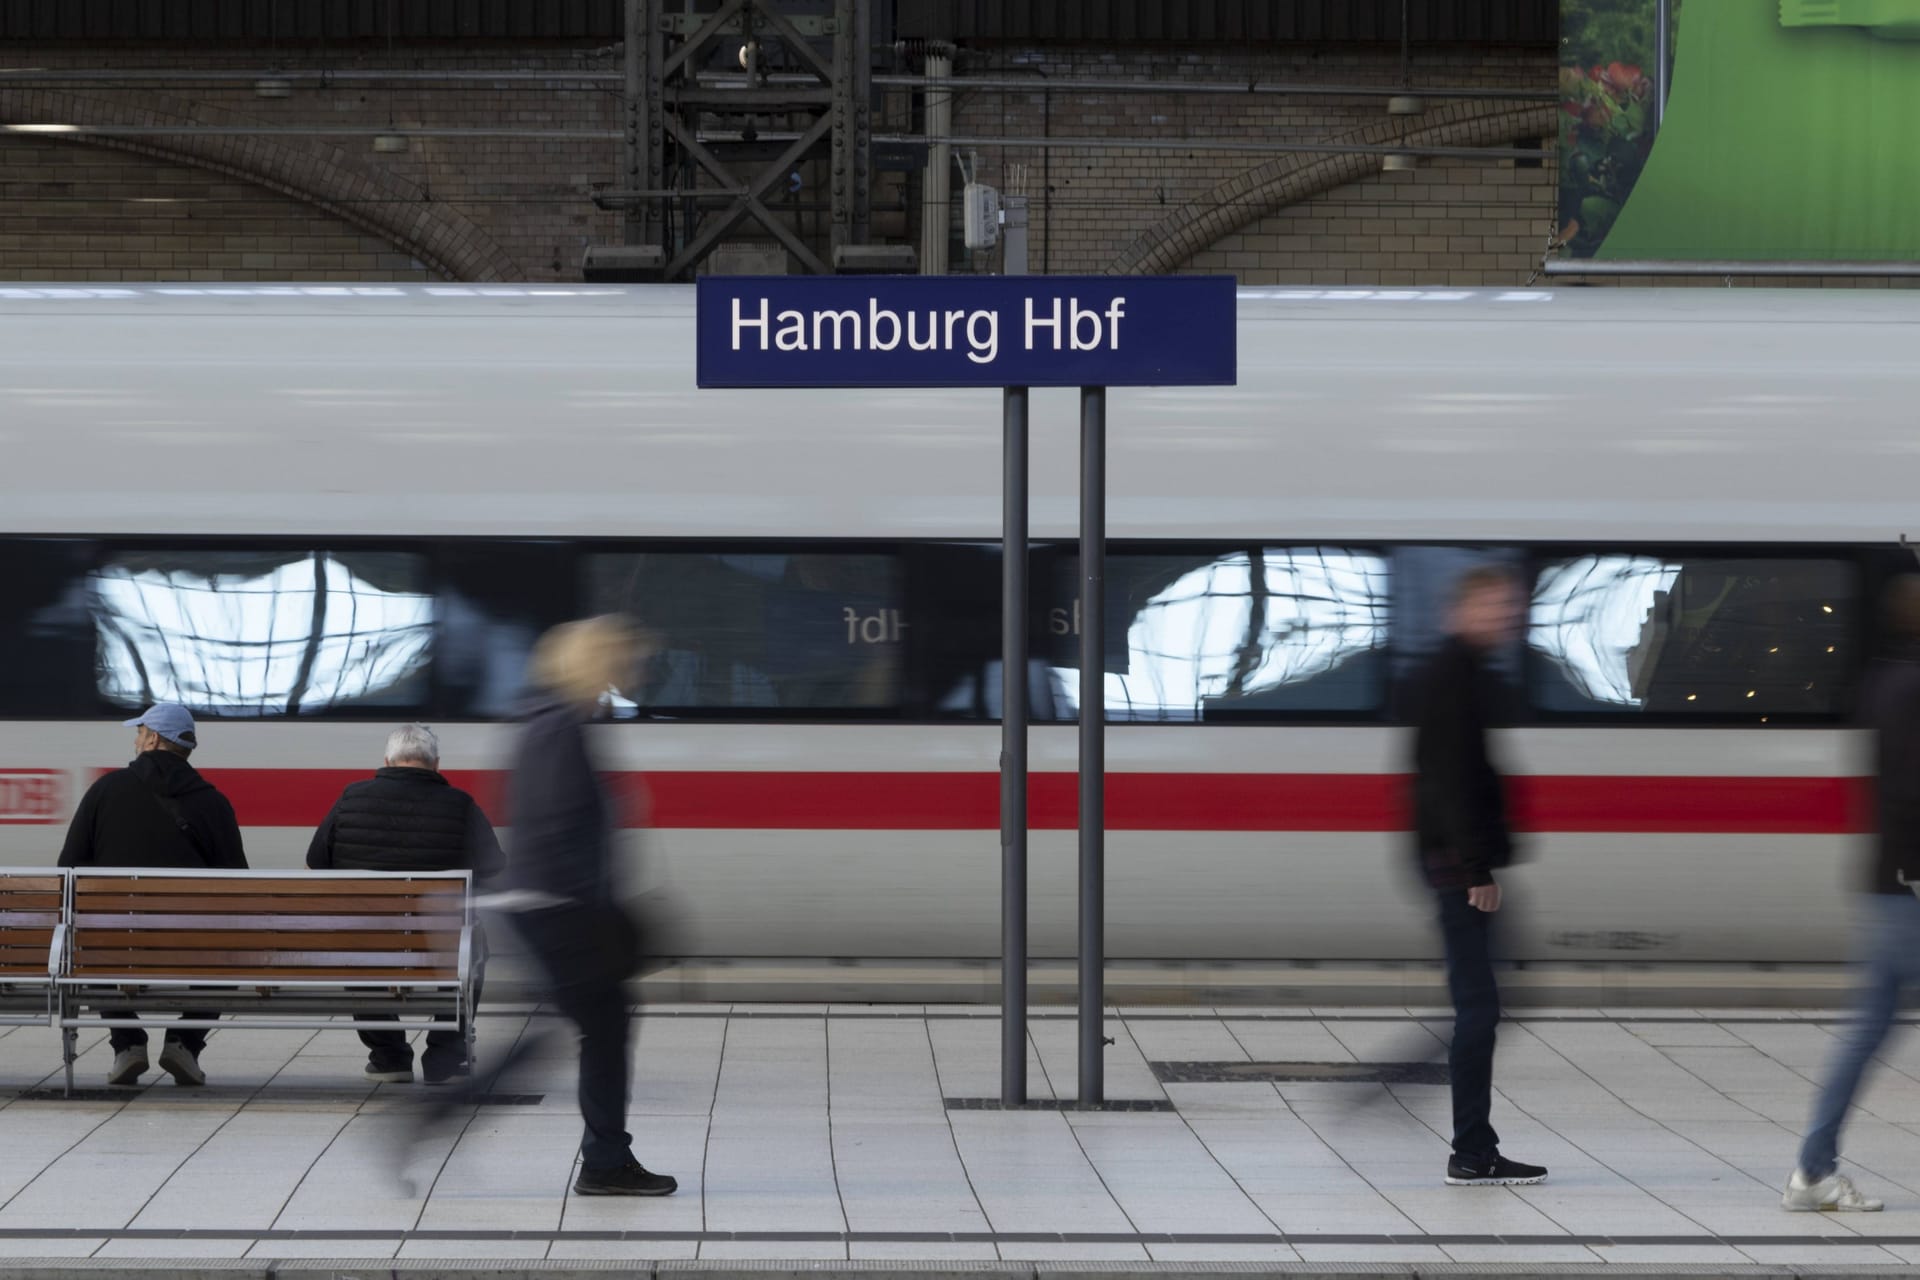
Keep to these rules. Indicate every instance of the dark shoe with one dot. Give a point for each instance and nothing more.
(436, 1073)
(1498, 1172)
(381, 1074)
(179, 1062)
(628, 1180)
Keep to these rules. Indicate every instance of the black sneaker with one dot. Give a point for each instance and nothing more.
(628, 1180)
(1498, 1172)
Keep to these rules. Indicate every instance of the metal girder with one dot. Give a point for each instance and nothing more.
(852, 179)
(747, 204)
(685, 24)
(668, 99)
(716, 22)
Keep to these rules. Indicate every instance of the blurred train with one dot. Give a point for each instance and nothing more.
(311, 512)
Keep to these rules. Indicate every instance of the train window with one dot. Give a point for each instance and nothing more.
(494, 600)
(262, 633)
(763, 631)
(1227, 632)
(46, 632)
(1693, 635)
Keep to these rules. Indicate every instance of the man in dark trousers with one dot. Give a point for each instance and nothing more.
(1462, 836)
(1889, 945)
(156, 812)
(408, 817)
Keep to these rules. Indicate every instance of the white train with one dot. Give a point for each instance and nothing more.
(315, 511)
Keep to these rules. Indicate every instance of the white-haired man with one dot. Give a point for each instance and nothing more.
(408, 817)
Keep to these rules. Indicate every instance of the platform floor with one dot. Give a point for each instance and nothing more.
(814, 1132)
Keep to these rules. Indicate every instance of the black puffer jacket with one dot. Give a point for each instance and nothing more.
(121, 822)
(404, 819)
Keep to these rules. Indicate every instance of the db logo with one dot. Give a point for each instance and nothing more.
(29, 796)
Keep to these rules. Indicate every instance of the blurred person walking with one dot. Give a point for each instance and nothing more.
(156, 812)
(1462, 835)
(583, 941)
(408, 817)
(1889, 947)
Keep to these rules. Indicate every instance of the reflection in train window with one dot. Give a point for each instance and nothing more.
(1210, 635)
(810, 631)
(1692, 635)
(239, 633)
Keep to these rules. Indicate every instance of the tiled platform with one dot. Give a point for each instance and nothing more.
(814, 1132)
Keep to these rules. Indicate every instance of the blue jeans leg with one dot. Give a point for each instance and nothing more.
(1893, 934)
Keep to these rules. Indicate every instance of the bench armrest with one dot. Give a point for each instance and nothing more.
(466, 957)
(57, 952)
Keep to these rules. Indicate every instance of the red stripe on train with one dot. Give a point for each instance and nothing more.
(868, 801)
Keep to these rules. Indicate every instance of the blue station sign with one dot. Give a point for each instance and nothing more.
(966, 331)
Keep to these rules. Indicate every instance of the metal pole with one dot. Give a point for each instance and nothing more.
(634, 113)
(1093, 746)
(1013, 754)
(1662, 57)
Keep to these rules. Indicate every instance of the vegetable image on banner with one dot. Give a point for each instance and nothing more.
(1785, 135)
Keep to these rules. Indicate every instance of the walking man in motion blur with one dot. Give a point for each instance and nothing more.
(1462, 836)
(1890, 946)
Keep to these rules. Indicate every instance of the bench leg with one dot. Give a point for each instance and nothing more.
(69, 1036)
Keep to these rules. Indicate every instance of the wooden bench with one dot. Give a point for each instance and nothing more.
(312, 950)
(32, 903)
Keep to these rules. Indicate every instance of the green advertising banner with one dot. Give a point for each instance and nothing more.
(1791, 131)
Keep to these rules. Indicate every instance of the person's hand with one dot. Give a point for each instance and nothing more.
(1484, 897)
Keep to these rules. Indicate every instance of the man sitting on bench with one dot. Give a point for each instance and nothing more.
(156, 812)
(407, 817)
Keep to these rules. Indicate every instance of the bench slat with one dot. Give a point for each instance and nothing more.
(255, 977)
(11, 882)
(246, 884)
(279, 923)
(143, 903)
(264, 940)
(88, 958)
(11, 920)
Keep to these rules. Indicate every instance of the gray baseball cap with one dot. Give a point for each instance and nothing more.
(171, 721)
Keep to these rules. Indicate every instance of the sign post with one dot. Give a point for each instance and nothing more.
(1093, 744)
(1013, 751)
(1013, 333)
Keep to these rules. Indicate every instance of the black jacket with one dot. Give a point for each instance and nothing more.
(1461, 829)
(121, 822)
(1890, 706)
(562, 817)
(405, 819)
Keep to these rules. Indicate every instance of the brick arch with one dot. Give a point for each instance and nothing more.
(312, 171)
(1288, 179)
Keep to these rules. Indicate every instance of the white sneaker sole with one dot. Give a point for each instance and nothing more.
(1495, 1182)
(187, 1073)
(1793, 1207)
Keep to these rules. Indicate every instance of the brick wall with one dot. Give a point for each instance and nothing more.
(1455, 222)
(1104, 201)
(90, 213)
(521, 208)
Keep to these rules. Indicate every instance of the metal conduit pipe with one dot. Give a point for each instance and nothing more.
(948, 82)
(935, 212)
(1221, 144)
(1215, 87)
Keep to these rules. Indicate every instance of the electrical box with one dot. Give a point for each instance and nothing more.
(982, 216)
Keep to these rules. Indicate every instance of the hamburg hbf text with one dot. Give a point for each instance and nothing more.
(1051, 325)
